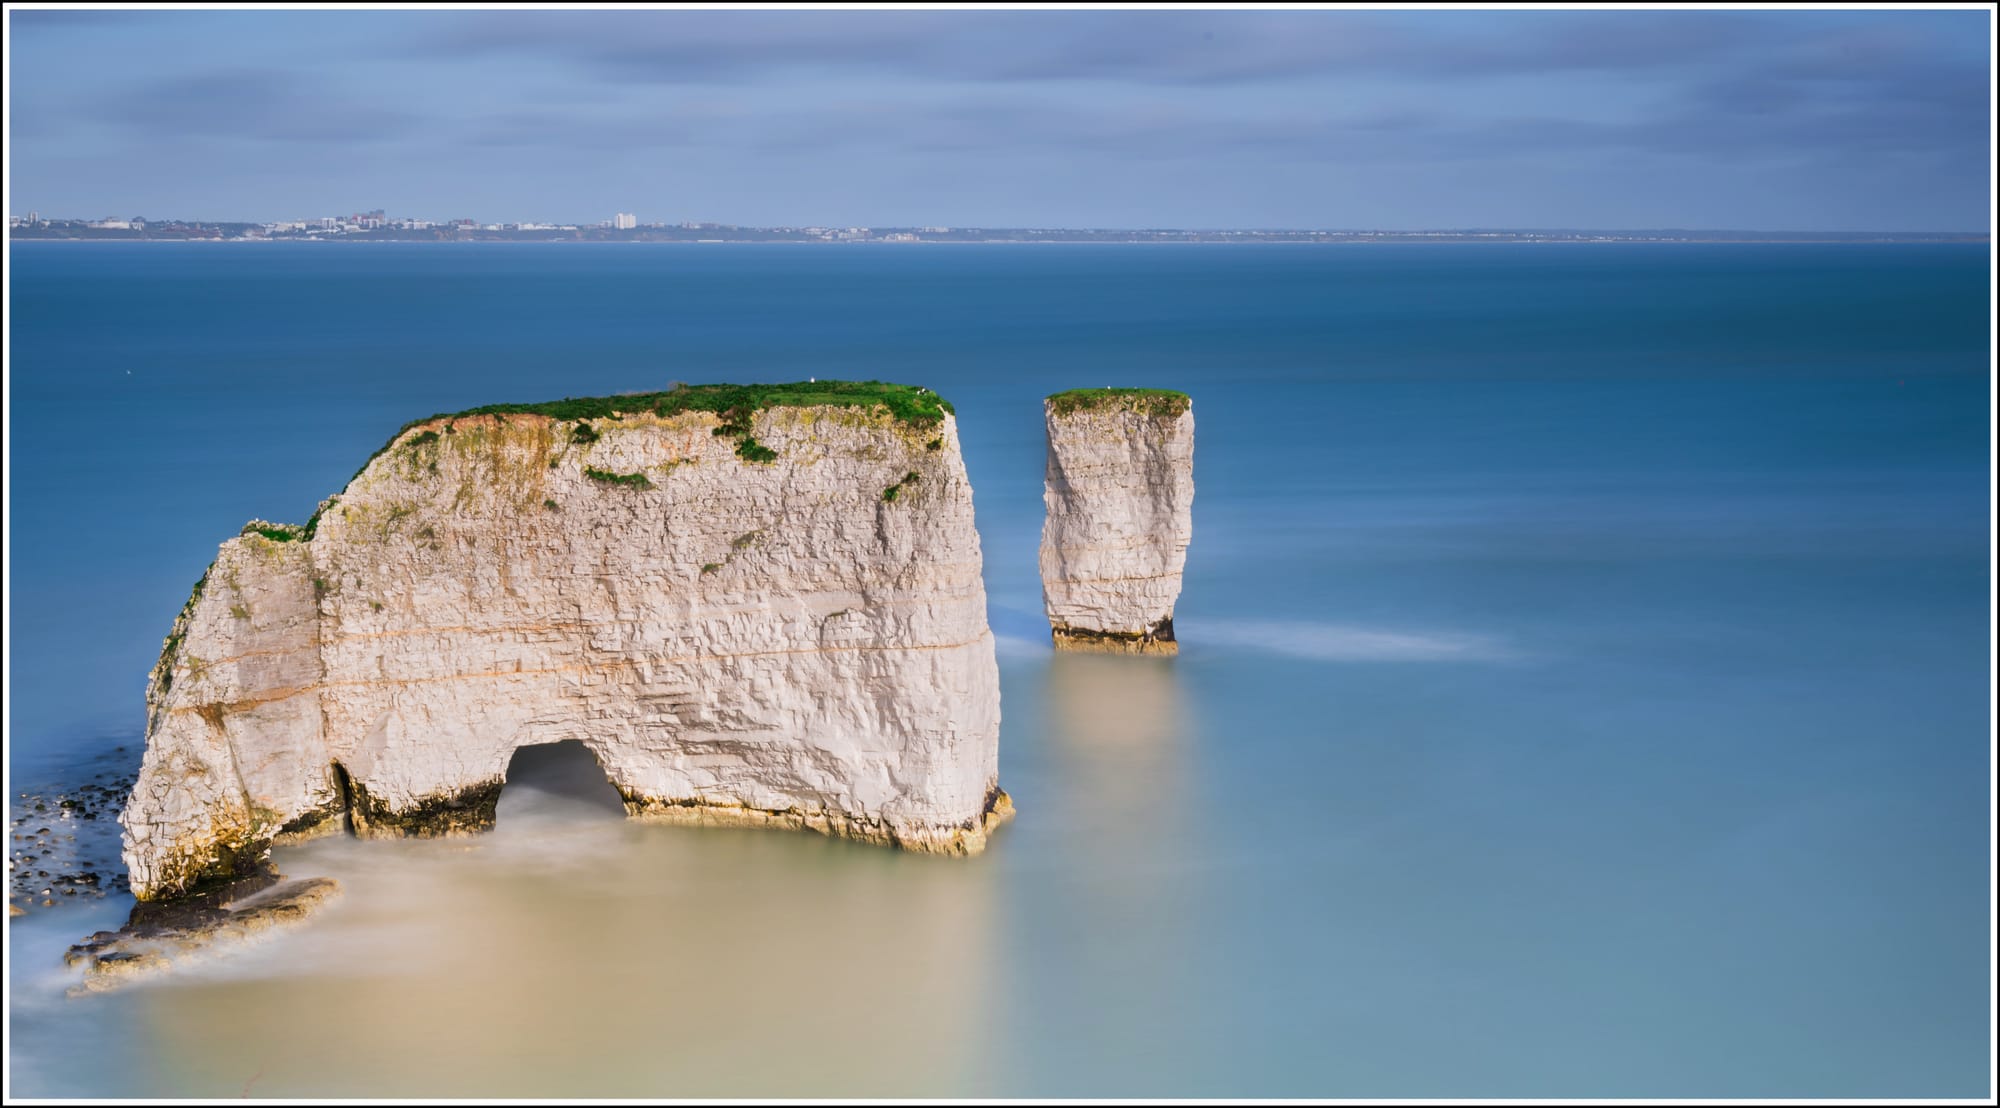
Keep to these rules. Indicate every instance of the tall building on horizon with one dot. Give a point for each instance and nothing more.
(624, 221)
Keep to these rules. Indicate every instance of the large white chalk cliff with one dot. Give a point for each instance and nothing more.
(754, 605)
(1120, 495)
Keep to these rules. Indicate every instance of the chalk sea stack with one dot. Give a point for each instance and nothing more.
(755, 605)
(1120, 492)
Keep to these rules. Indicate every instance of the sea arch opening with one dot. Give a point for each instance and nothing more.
(558, 782)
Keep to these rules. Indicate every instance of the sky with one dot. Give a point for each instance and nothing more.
(1611, 119)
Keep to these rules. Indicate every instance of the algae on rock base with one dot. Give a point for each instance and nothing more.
(963, 840)
(466, 811)
(1157, 639)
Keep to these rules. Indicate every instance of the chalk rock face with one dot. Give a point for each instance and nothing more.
(738, 641)
(1120, 492)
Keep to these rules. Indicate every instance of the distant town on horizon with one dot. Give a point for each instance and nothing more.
(377, 226)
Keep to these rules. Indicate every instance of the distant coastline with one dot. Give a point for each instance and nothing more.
(712, 234)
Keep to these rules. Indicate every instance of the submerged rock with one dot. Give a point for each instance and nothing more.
(1120, 493)
(156, 940)
(709, 588)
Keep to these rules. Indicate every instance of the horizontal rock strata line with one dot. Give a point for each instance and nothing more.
(581, 667)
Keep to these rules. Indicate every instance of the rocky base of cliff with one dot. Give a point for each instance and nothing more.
(1157, 639)
(965, 840)
(468, 811)
(159, 937)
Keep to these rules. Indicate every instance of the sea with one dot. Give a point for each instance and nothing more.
(1584, 686)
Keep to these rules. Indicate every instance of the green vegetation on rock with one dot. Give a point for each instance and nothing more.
(312, 523)
(750, 450)
(164, 668)
(893, 491)
(914, 405)
(278, 532)
(911, 404)
(630, 480)
(1159, 403)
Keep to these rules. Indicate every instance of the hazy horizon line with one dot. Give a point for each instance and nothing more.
(1153, 229)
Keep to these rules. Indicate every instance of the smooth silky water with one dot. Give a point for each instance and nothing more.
(1583, 687)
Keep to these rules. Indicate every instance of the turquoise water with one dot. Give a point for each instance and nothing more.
(1583, 690)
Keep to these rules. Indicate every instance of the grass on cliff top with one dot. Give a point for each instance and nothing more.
(909, 403)
(1164, 403)
(279, 532)
(914, 405)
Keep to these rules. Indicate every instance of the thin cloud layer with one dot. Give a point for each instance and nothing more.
(1784, 120)
(250, 104)
(1147, 47)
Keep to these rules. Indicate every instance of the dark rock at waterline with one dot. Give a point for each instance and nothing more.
(161, 935)
(200, 907)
